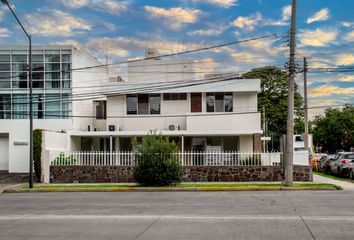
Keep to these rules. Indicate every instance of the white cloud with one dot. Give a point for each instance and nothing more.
(347, 24)
(346, 78)
(176, 17)
(55, 23)
(247, 23)
(122, 46)
(220, 3)
(286, 12)
(208, 31)
(110, 6)
(318, 37)
(4, 32)
(349, 36)
(344, 59)
(75, 3)
(330, 90)
(250, 22)
(321, 15)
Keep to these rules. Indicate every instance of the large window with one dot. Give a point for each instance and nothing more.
(101, 109)
(174, 96)
(51, 74)
(219, 102)
(143, 104)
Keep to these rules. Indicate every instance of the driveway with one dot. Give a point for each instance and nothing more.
(345, 185)
(178, 215)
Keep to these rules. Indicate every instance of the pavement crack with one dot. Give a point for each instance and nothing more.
(302, 219)
(148, 227)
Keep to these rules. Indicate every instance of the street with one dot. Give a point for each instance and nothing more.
(178, 215)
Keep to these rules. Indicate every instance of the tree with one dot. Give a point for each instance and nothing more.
(157, 161)
(335, 130)
(274, 97)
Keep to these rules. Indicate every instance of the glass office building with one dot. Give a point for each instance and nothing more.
(52, 80)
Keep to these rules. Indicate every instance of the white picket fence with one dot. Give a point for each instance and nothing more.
(122, 158)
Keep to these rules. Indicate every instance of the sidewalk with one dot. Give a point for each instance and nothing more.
(345, 185)
(4, 186)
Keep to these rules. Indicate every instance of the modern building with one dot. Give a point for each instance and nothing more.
(58, 94)
(162, 95)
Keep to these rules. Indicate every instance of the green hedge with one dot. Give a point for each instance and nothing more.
(37, 152)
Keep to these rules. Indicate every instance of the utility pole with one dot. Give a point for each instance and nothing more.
(288, 163)
(264, 130)
(305, 106)
(29, 70)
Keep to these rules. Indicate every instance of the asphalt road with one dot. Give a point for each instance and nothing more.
(178, 215)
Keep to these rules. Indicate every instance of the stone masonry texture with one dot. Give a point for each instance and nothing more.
(124, 174)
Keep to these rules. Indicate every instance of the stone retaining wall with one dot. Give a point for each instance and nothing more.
(124, 174)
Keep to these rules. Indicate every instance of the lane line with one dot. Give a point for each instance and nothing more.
(177, 217)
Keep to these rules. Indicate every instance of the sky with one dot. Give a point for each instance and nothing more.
(123, 30)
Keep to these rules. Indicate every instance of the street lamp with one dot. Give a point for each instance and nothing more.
(30, 181)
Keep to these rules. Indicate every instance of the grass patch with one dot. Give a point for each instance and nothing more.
(334, 177)
(186, 186)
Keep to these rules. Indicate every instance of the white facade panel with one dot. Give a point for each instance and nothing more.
(4, 153)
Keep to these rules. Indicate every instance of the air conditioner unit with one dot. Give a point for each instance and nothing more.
(173, 127)
(113, 128)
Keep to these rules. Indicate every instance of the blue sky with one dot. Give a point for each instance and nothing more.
(124, 29)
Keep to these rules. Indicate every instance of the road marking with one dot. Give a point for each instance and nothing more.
(176, 217)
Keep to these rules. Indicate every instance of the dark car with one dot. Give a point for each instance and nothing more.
(324, 164)
(341, 163)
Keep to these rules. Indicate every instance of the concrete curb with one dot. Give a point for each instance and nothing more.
(197, 189)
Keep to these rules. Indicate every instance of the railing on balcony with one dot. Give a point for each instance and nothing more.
(122, 158)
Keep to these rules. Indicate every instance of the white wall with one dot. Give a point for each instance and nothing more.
(246, 143)
(4, 152)
(245, 102)
(18, 131)
(161, 70)
(55, 141)
(224, 122)
(86, 82)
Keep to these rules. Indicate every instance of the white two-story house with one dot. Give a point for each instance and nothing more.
(217, 114)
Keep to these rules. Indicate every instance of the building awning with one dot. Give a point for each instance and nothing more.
(164, 133)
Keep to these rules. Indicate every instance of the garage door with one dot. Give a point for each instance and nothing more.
(4, 153)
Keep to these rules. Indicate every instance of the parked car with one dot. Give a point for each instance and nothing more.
(341, 163)
(324, 164)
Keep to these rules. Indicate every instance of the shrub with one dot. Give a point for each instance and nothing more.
(37, 152)
(63, 160)
(157, 161)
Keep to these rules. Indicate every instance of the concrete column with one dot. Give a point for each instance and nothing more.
(257, 145)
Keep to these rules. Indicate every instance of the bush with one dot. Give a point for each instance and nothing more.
(37, 152)
(157, 162)
(63, 160)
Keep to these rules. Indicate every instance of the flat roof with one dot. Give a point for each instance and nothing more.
(226, 85)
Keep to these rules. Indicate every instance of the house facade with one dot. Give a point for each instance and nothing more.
(215, 114)
(54, 87)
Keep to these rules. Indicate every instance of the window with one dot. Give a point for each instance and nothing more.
(143, 104)
(5, 58)
(101, 110)
(52, 57)
(154, 100)
(174, 96)
(132, 102)
(5, 106)
(219, 102)
(4, 67)
(19, 58)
